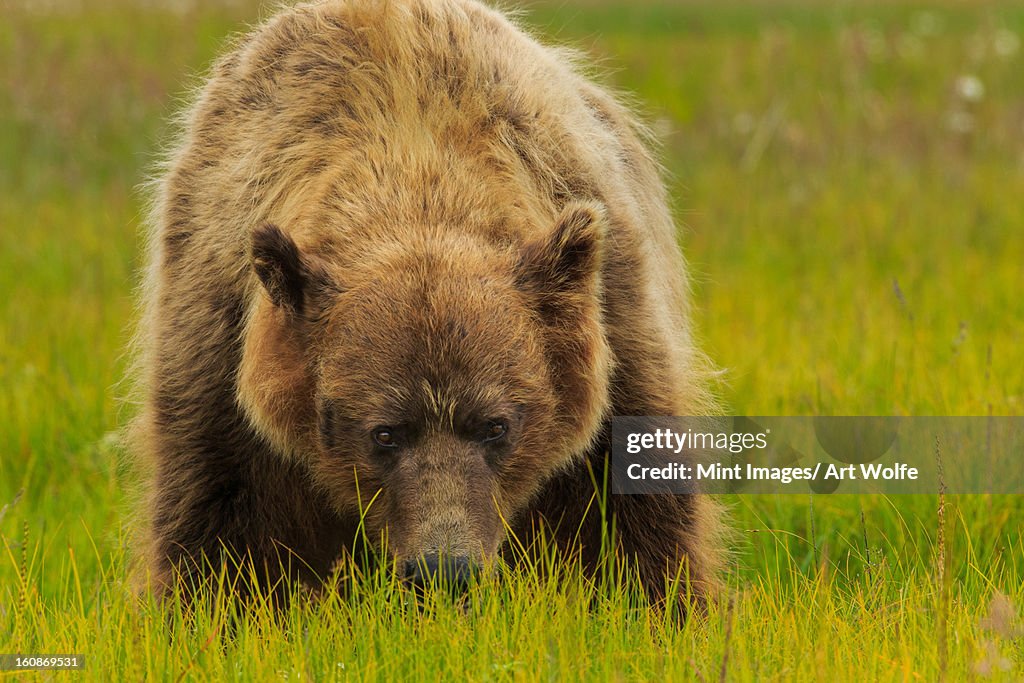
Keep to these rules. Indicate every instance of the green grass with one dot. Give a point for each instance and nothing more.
(856, 230)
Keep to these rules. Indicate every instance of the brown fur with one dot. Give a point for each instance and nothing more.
(408, 213)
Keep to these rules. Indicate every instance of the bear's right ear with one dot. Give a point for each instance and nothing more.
(291, 280)
(568, 261)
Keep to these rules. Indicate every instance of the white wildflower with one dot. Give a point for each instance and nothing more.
(970, 88)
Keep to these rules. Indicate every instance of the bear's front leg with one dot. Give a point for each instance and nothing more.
(673, 540)
(662, 538)
(223, 506)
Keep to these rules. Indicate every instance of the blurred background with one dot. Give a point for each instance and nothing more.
(848, 177)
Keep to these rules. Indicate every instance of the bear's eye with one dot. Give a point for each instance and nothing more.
(496, 430)
(385, 437)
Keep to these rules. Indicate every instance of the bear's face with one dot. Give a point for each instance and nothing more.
(435, 389)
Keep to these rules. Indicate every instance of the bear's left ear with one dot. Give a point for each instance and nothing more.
(568, 260)
(293, 281)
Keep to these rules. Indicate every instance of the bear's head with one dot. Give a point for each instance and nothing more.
(434, 386)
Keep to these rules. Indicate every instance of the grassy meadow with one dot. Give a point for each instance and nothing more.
(850, 182)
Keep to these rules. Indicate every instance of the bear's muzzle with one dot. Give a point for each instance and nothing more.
(452, 573)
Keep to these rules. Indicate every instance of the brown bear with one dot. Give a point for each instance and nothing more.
(405, 265)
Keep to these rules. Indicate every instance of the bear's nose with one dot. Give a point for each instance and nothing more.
(453, 573)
